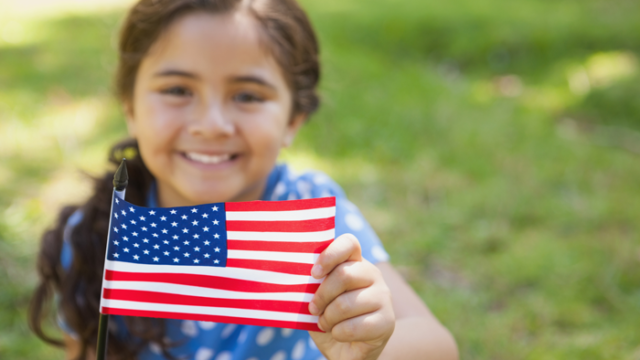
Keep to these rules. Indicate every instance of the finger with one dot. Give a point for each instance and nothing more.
(368, 327)
(347, 276)
(344, 248)
(349, 305)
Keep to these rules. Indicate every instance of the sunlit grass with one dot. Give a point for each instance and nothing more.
(494, 153)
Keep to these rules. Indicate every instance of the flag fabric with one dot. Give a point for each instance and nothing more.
(245, 263)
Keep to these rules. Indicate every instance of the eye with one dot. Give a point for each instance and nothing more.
(247, 97)
(176, 91)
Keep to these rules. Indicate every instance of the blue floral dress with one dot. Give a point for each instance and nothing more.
(200, 340)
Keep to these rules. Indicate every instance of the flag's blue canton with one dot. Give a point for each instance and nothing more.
(195, 235)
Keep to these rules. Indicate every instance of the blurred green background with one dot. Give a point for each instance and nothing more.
(493, 144)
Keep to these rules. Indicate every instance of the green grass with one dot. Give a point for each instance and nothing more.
(492, 144)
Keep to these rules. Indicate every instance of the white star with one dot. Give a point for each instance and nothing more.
(132, 209)
(173, 212)
(216, 236)
(186, 242)
(185, 230)
(184, 217)
(186, 254)
(126, 249)
(176, 260)
(125, 238)
(117, 201)
(174, 224)
(152, 212)
(207, 255)
(194, 223)
(136, 257)
(217, 249)
(144, 228)
(146, 252)
(124, 226)
(134, 233)
(196, 236)
(153, 224)
(163, 218)
(196, 248)
(176, 248)
(215, 208)
(145, 240)
(215, 222)
(205, 215)
(133, 222)
(155, 258)
(194, 210)
(166, 253)
(115, 214)
(116, 255)
(136, 245)
(124, 213)
(205, 229)
(216, 261)
(115, 229)
(175, 237)
(166, 242)
(116, 242)
(156, 246)
(196, 261)
(155, 235)
(164, 231)
(143, 218)
(207, 242)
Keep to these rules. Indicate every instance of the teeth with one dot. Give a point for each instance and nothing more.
(208, 159)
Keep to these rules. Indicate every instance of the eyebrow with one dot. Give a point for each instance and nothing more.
(252, 79)
(172, 72)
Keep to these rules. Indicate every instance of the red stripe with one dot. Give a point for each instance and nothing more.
(214, 282)
(283, 246)
(176, 299)
(277, 266)
(214, 318)
(282, 226)
(287, 205)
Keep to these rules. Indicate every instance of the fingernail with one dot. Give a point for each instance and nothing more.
(313, 309)
(316, 270)
(320, 326)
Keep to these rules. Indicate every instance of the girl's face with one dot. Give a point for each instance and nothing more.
(211, 110)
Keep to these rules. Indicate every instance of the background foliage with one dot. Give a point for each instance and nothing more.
(493, 144)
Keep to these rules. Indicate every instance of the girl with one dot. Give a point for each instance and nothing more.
(212, 90)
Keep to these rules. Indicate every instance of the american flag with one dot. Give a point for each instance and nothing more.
(245, 263)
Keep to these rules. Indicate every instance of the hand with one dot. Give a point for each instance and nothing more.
(354, 303)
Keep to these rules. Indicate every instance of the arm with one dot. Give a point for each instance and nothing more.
(418, 334)
(74, 348)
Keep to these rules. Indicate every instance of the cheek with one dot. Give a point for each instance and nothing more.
(156, 125)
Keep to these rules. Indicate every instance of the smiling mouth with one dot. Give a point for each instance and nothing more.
(209, 159)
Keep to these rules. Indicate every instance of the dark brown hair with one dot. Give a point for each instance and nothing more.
(287, 33)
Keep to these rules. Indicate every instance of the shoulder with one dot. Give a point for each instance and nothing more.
(66, 253)
(286, 184)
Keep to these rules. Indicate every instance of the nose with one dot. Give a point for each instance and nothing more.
(211, 122)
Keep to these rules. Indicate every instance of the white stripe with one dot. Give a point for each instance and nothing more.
(302, 258)
(309, 214)
(312, 236)
(205, 292)
(270, 277)
(205, 310)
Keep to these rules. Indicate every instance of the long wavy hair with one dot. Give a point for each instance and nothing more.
(293, 43)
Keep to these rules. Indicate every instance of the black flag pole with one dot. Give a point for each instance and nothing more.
(120, 181)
